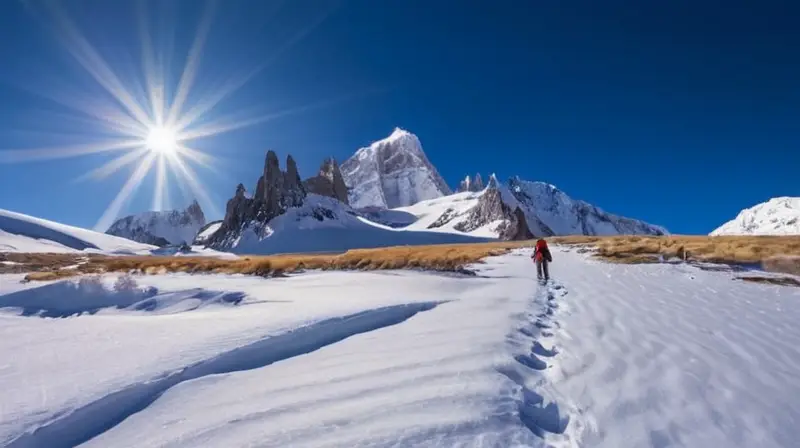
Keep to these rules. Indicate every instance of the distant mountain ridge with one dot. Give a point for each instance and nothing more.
(519, 209)
(777, 216)
(161, 228)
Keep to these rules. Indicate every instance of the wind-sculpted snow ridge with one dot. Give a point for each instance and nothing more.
(89, 295)
(97, 417)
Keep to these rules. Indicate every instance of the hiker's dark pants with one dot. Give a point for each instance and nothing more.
(542, 270)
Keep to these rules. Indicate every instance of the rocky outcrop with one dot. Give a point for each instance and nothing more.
(161, 228)
(474, 184)
(491, 208)
(276, 191)
(328, 182)
(393, 172)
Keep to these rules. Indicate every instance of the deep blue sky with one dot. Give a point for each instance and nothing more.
(680, 113)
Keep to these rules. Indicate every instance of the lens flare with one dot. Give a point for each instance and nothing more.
(152, 129)
(162, 140)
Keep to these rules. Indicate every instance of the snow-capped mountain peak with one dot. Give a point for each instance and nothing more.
(398, 134)
(778, 216)
(161, 228)
(392, 172)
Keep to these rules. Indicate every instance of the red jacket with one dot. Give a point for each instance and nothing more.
(541, 251)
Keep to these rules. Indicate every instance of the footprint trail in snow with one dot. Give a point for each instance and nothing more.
(533, 345)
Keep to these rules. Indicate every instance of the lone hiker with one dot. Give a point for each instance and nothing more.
(541, 256)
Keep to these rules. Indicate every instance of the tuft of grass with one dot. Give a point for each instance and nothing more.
(46, 276)
(785, 264)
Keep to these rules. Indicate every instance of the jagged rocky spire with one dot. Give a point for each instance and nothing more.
(328, 182)
(276, 191)
(471, 184)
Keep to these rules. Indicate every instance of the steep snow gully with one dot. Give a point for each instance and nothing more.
(101, 415)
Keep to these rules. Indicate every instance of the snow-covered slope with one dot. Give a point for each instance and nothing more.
(551, 212)
(393, 172)
(23, 233)
(778, 216)
(548, 211)
(161, 228)
(604, 356)
(323, 224)
(444, 213)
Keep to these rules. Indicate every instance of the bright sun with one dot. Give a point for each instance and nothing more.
(162, 140)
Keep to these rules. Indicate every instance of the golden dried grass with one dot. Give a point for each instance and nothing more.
(445, 257)
(719, 249)
(768, 250)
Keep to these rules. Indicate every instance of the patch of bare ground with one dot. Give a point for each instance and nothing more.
(782, 281)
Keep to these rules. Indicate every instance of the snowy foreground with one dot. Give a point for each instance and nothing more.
(606, 355)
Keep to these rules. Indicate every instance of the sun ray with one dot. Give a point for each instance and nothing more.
(113, 166)
(151, 117)
(64, 152)
(154, 81)
(192, 62)
(83, 52)
(205, 160)
(98, 110)
(160, 190)
(229, 123)
(202, 107)
(131, 184)
(191, 178)
(208, 103)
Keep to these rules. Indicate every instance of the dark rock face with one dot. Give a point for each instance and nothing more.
(448, 215)
(516, 228)
(491, 208)
(328, 182)
(275, 192)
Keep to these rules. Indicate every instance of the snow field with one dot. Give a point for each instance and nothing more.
(604, 355)
(671, 355)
